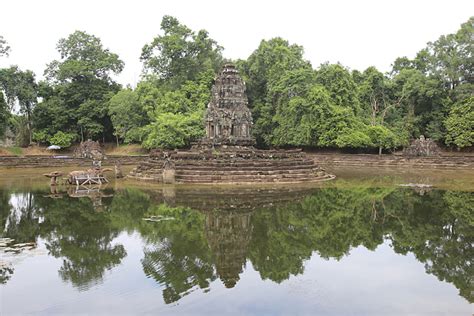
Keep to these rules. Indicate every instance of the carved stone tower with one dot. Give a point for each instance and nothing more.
(228, 118)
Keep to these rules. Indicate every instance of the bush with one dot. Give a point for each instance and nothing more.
(40, 136)
(62, 140)
(173, 130)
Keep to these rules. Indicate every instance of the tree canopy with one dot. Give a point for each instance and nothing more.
(78, 88)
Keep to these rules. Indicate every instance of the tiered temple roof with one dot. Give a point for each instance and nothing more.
(228, 118)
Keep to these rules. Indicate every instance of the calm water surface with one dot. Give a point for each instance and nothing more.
(361, 245)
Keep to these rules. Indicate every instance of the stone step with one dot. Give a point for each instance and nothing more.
(244, 176)
(235, 153)
(214, 164)
(250, 180)
(246, 168)
(180, 172)
(226, 160)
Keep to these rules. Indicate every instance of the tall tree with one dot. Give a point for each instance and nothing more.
(180, 54)
(263, 70)
(378, 102)
(20, 89)
(81, 81)
(4, 115)
(452, 57)
(179, 66)
(128, 116)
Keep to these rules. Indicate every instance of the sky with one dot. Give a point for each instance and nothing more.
(358, 34)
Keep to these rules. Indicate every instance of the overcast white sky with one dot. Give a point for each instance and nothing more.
(358, 33)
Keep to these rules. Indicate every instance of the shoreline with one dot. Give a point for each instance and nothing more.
(322, 159)
(374, 160)
(40, 161)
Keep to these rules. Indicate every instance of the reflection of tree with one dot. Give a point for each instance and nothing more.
(455, 264)
(5, 273)
(127, 208)
(19, 216)
(438, 229)
(177, 254)
(4, 206)
(72, 229)
(82, 237)
(195, 248)
(19, 219)
(330, 221)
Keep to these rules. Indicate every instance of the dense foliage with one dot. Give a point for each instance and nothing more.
(292, 103)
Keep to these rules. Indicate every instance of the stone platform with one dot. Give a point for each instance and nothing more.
(230, 165)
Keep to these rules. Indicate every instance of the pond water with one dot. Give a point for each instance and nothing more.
(360, 245)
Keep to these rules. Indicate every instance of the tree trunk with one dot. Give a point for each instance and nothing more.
(116, 137)
(380, 150)
(28, 124)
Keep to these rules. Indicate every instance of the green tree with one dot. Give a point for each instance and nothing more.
(460, 124)
(440, 75)
(169, 130)
(382, 137)
(339, 83)
(20, 88)
(81, 82)
(83, 58)
(176, 116)
(452, 58)
(265, 68)
(49, 117)
(421, 103)
(4, 115)
(128, 116)
(180, 55)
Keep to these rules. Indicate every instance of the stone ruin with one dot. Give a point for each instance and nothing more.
(91, 150)
(8, 139)
(228, 118)
(422, 146)
(226, 154)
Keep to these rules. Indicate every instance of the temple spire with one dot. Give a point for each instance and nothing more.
(228, 118)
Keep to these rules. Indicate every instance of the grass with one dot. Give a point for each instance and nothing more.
(125, 150)
(16, 151)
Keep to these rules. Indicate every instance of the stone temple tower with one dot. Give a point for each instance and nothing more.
(228, 119)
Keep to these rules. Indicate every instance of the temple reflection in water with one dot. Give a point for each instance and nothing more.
(229, 235)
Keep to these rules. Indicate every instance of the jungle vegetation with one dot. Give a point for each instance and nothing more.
(293, 103)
